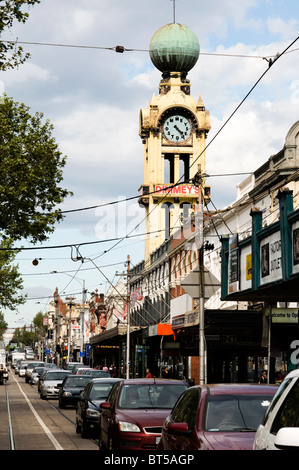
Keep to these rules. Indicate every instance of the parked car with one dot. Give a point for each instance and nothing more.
(282, 413)
(216, 417)
(70, 389)
(134, 413)
(50, 380)
(87, 410)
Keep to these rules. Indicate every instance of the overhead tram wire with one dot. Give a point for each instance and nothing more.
(214, 137)
(228, 119)
(122, 49)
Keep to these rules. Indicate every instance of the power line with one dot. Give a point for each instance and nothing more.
(122, 49)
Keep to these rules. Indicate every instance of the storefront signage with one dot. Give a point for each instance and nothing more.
(283, 315)
(180, 190)
(271, 258)
(233, 263)
(188, 319)
(295, 245)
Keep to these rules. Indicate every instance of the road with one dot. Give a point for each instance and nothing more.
(29, 423)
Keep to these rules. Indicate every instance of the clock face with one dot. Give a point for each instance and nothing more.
(177, 128)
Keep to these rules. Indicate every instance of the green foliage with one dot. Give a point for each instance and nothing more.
(3, 326)
(10, 279)
(11, 55)
(31, 170)
(28, 336)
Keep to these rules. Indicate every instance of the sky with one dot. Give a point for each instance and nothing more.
(93, 95)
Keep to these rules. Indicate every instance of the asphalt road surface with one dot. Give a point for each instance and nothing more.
(29, 423)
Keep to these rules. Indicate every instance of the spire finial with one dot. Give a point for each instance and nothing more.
(173, 10)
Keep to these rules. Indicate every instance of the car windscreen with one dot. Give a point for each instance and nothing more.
(32, 365)
(55, 375)
(80, 381)
(150, 396)
(235, 412)
(100, 391)
(99, 373)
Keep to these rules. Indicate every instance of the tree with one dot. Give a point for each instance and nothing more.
(31, 170)
(11, 281)
(3, 326)
(11, 11)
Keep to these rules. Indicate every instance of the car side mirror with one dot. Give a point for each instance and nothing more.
(179, 429)
(287, 439)
(105, 405)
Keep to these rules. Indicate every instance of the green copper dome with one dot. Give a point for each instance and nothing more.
(174, 48)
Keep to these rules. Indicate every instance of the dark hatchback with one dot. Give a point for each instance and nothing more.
(70, 389)
(134, 413)
(87, 409)
(216, 417)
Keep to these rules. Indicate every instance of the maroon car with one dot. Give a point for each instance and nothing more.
(216, 417)
(134, 412)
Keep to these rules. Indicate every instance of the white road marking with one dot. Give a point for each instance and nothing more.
(43, 425)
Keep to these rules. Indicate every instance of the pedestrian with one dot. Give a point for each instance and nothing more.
(165, 373)
(148, 374)
(263, 377)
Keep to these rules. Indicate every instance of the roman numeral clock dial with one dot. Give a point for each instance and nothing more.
(177, 128)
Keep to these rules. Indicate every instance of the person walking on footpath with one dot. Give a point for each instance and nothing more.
(148, 374)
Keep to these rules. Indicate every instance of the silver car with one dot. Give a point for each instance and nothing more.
(30, 367)
(49, 385)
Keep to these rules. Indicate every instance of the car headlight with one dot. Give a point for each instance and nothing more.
(128, 427)
(92, 413)
(67, 394)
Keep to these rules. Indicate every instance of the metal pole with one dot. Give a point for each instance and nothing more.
(128, 321)
(82, 323)
(202, 352)
(69, 327)
(269, 342)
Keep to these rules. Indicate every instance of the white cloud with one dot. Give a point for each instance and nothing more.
(286, 30)
(93, 98)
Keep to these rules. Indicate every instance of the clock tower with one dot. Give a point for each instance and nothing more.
(173, 129)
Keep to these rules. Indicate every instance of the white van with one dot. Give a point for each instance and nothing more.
(280, 426)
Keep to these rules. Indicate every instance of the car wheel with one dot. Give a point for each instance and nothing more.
(84, 430)
(101, 445)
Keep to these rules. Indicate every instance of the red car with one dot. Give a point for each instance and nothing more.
(216, 417)
(134, 412)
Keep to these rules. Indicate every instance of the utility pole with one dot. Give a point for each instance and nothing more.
(69, 326)
(57, 316)
(128, 320)
(82, 323)
(197, 180)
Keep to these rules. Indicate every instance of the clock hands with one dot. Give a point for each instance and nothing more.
(179, 130)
